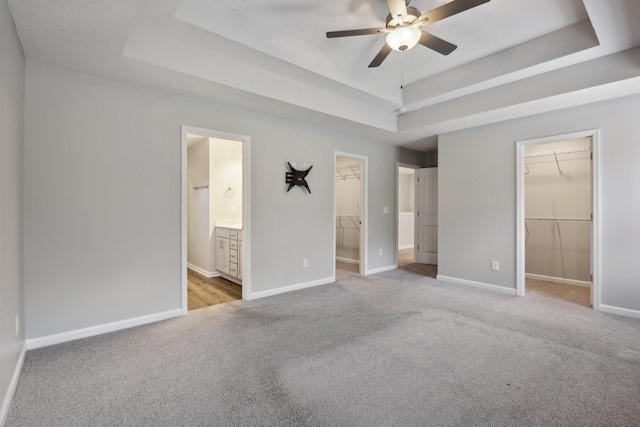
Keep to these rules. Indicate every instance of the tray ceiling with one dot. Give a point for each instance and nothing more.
(514, 57)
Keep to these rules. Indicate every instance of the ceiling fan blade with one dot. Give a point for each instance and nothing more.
(447, 10)
(386, 50)
(347, 33)
(398, 7)
(435, 43)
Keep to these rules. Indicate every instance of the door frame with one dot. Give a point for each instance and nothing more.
(246, 207)
(594, 134)
(364, 203)
(415, 201)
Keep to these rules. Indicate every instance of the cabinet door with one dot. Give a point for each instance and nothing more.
(222, 255)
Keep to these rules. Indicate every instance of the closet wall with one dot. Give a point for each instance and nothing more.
(348, 209)
(558, 210)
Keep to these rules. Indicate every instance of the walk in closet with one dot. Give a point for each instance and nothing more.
(348, 203)
(558, 210)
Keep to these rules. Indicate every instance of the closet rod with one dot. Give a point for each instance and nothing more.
(201, 187)
(554, 152)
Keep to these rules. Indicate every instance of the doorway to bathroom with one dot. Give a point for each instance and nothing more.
(215, 236)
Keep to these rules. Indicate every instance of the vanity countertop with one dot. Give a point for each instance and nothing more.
(231, 227)
(232, 224)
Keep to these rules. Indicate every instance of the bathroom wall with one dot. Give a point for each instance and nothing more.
(225, 171)
(199, 254)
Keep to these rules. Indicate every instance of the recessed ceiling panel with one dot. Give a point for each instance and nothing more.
(294, 31)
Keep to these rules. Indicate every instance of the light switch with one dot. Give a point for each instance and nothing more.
(385, 210)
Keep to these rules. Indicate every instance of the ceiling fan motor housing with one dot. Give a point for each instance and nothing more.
(412, 16)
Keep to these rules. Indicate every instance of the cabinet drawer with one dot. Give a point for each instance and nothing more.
(233, 244)
(233, 234)
(233, 256)
(233, 269)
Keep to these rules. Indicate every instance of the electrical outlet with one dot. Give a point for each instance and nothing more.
(385, 210)
(17, 324)
(495, 266)
(305, 263)
(233, 209)
(380, 252)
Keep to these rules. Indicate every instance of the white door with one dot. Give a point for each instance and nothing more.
(427, 216)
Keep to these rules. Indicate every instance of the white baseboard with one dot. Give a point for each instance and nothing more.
(204, 272)
(488, 286)
(4, 410)
(405, 247)
(558, 280)
(619, 311)
(296, 287)
(347, 260)
(381, 269)
(100, 329)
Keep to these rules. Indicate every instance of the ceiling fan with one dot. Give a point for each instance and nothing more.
(403, 27)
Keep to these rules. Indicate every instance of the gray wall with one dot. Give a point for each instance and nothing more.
(477, 195)
(102, 198)
(11, 152)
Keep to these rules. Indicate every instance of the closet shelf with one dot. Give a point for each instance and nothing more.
(560, 219)
(350, 171)
(554, 153)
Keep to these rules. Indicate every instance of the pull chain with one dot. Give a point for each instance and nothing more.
(401, 70)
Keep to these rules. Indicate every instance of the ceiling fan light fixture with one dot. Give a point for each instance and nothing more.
(403, 38)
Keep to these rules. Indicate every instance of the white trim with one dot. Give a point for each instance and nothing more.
(594, 134)
(381, 269)
(290, 288)
(560, 280)
(501, 289)
(4, 411)
(347, 260)
(246, 206)
(91, 331)
(364, 198)
(620, 311)
(202, 271)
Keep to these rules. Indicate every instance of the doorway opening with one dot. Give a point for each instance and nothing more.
(557, 218)
(215, 226)
(350, 209)
(406, 224)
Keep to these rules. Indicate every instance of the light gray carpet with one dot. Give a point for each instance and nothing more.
(395, 349)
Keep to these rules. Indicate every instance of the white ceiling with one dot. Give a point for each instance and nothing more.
(514, 58)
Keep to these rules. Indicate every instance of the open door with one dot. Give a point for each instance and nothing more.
(427, 216)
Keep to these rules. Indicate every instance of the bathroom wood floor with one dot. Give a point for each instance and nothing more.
(204, 291)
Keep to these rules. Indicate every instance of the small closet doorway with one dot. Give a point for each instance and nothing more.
(350, 212)
(557, 219)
